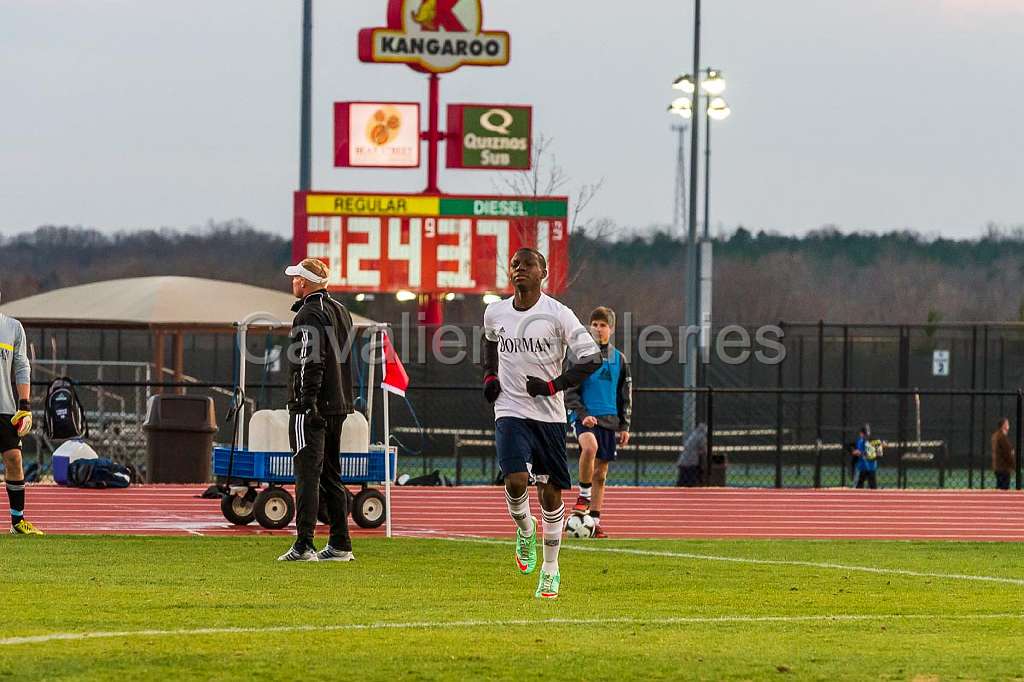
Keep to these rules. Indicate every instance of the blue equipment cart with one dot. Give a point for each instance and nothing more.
(241, 473)
(273, 507)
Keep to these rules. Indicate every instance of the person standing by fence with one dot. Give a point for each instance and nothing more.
(867, 461)
(1003, 456)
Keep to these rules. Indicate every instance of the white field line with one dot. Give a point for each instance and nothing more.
(444, 625)
(763, 562)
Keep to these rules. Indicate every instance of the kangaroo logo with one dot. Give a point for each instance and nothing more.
(434, 14)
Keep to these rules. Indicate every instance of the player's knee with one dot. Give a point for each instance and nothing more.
(600, 475)
(517, 483)
(12, 459)
(588, 447)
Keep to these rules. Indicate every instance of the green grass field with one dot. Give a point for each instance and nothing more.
(205, 608)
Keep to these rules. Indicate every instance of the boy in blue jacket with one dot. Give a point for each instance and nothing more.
(600, 410)
(868, 452)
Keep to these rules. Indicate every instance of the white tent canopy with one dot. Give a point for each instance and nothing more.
(155, 302)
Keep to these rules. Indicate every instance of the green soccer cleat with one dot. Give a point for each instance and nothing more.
(23, 527)
(547, 587)
(526, 550)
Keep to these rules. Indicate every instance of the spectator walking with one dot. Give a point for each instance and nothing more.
(1004, 459)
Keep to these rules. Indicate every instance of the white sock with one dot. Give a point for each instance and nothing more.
(585, 491)
(552, 538)
(519, 510)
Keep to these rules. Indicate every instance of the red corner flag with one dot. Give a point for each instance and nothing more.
(395, 378)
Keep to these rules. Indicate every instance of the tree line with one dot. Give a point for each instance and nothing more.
(758, 276)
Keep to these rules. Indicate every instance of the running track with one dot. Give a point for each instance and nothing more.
(629, 513)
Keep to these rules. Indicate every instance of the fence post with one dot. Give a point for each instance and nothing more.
(817, 463)
(458, 462)
(821, 377)
(983, 432)
(942, 465)
(1020, 417)
(844, 459)
(710, 419)
(778, 441)
(970, 423)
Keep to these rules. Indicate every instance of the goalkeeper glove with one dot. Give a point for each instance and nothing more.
(536, 386)
(492, 387)
(22, 419)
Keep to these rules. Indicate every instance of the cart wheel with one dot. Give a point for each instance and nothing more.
(238, 509)
(368, 508)
(275, 508)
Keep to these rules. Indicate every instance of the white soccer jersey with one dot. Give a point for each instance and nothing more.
(533, 342)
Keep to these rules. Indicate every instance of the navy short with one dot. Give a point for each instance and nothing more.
(541, 445)
(9, 439)
(606, 440)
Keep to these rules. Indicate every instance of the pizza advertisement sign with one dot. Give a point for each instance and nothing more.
(377, 134)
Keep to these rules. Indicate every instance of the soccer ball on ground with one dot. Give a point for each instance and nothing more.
(580, 526)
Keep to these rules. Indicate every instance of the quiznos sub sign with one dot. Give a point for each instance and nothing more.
(436, 36)
(495, 137)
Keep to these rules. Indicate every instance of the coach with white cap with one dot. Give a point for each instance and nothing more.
(320, 397)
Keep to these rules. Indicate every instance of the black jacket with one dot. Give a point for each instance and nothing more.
(321, 352)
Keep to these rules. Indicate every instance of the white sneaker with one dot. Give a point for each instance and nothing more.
(328, 553)
(295, 554)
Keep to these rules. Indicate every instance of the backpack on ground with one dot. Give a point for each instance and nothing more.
(98, 473)
(63, 414)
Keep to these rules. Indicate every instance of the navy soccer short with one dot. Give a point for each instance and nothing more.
(540, 444)
(606, 440)
(9, 439)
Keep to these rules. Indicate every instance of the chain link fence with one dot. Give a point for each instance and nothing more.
(805, 412)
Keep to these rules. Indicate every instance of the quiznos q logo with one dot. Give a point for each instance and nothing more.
(436, 36)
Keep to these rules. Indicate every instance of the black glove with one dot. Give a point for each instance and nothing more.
(536, 386)
(313, 418)
(492, 387)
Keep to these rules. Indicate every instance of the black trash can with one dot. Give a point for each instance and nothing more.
(179, 438)
(716, 473)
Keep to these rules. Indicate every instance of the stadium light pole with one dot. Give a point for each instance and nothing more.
(710, 84)
(305, 121)
(692, 276)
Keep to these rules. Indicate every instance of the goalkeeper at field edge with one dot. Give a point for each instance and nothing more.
(15, 418)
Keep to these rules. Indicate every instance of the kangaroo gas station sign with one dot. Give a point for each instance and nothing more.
(431, 243)
(437, 36)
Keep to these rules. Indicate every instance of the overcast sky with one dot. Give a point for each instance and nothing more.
(870, 115)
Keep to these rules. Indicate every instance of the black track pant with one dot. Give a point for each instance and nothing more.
(318, 479)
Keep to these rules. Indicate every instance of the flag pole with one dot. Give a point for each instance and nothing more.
(387, 443)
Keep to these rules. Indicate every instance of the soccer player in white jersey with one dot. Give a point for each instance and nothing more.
(526, 338)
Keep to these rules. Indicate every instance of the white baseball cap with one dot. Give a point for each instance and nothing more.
(311, 269)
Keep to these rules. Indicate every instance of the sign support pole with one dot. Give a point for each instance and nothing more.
(433, 134)
(431, 309)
